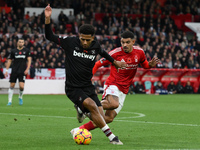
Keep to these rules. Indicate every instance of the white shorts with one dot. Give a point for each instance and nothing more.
(113, 90)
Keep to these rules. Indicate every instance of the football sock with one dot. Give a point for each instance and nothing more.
(108, 132)
(10, 94)
(89, 126)
(21, 93)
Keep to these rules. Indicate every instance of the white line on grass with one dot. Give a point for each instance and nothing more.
(164, 123)
(43, 116)
(139, 115)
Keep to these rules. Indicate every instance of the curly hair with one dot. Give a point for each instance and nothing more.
(87, 29)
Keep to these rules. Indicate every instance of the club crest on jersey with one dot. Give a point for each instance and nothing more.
(93, 51)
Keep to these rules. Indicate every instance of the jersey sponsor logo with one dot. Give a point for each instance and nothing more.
(84, 55)
(20, 56)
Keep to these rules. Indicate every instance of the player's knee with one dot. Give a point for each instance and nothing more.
(21, 88)
(109, 119)
(116, 105)
(90, 105)
(114, 102)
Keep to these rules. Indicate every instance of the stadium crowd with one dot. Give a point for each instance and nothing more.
(158, 36)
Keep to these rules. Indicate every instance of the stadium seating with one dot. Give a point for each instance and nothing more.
(153, 75)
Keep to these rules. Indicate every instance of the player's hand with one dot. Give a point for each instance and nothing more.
(154, 61)
(6, 74)
(48, 11)
(26, 72)
(119, 64)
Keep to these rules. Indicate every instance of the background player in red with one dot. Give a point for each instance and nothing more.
(117, 85)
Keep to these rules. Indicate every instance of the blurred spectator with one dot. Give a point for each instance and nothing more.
(2, 59)
(179, 87)
(131, 89)
(159, 89)
(62, 18)
(196, 66)
(1, 75)
(99, 87)
(11, 28)
(188, 88)
(198, 90)
(159, 36)
(71, 17)
(171, 88)
(139, 88)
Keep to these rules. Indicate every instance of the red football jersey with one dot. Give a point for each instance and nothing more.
(124, 77)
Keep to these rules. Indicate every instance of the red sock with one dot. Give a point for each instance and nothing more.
(89, 126)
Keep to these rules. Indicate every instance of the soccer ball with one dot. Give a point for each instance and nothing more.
(83, 137)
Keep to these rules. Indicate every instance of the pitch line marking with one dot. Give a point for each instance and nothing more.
(162, 123)
(139, 115)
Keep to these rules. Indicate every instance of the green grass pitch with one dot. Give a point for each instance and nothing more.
(145, 122)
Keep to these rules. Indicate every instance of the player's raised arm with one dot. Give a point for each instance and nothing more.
(48, 31)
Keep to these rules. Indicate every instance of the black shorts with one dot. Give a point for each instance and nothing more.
(14, 76)
(78, 95)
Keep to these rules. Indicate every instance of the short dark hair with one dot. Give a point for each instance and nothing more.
(127, 34)
(87, 29)
(20, 39)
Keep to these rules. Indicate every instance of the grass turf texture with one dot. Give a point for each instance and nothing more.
(145, 122)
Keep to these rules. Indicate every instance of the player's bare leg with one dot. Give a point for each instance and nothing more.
(21, 90)
(109, 117)
(96, 116)
(10, 93)
(110, 102)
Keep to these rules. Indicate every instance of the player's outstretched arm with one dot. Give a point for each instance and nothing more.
(151, 63)
(48, 12)
(48, 31)
(154, 62)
